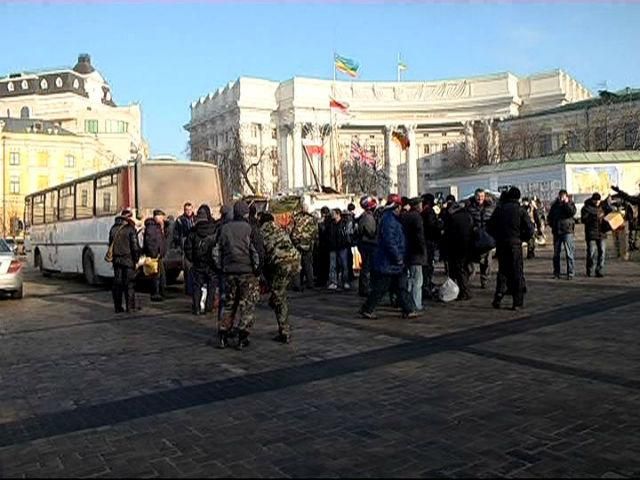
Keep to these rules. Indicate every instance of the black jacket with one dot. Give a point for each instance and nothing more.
(416, 253)
(236, 250)
(561, 218)
(458, 233)
(198, 247)
(432, 224)
(510, 224)
(126, 249)
(592, 217)
(337, 235)
(154, 242)
(182, 228)
(481, 213)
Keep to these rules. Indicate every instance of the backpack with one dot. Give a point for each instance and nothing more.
(202, 249)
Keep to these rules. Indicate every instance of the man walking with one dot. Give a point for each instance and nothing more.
(183, 225)
(155, 246)
(562, 222)
(367, 238)
(123, 241)
(198, 249)
(388, 263)
(510, 226)
(458, 237)
(432, 233)
(339, 243)
(481, 207)
(416, 250)
(304, 235)
(531, 208)
(595, 228)
(237, 254)
(281, 263)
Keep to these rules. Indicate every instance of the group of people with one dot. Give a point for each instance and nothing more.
(225, 259)
(228, 262)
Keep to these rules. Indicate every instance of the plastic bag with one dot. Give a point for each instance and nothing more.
(448, 291)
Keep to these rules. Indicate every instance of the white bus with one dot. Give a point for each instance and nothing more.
(68, 225)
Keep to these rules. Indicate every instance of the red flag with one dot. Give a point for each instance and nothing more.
(338, 106)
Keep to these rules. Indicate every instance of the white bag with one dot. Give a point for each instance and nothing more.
(448, 291)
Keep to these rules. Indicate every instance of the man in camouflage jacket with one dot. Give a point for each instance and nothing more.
(282, 262)
(304, 235)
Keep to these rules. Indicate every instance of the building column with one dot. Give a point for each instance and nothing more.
(284, 159)
(412, 162)
(298, 173)
(391, 158)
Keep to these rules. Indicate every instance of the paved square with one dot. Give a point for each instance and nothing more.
(465, 390)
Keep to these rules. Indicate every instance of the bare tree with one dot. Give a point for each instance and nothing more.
(523, 140)
(479, 148)
(365, 178)
(241, 164)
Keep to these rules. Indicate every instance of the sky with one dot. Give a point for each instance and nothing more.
(165, 55)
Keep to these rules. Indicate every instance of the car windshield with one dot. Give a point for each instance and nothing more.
(4, 248)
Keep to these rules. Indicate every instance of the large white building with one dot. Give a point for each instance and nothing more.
(78, 99)
(273, 121)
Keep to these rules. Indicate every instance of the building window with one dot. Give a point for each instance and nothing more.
(116, 126)
(24, 113)
(14, 158)
(445, 147)
(70, 161)
(14, 185)
(43, 182)
(572, 141)
(59, 82)
(373, 150)
(91, 126)
(546, 146)
(252, 150)
(425, 134)
(76, 84)
(426, 150)
(43, 159)
(254, 130)
(24, 85)
(44, 84)
(631, 135)
(10, 87)
(444, 134)
(274, 133)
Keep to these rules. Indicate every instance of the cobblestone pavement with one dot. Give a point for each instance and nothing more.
(465, 390)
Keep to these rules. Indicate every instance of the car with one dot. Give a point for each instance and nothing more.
(12, 244)
(10, 271)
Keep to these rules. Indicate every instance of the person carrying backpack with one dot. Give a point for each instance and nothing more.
(198, 249)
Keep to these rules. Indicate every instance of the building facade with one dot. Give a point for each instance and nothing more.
(608, 122)
(78, 100)
(267, 125)
(36, 154)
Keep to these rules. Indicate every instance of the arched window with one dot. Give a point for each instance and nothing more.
(24, 112)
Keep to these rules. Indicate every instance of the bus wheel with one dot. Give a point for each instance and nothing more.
(37, 261)
(88, 268)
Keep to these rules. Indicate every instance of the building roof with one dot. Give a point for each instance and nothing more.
(31, 125)
(604, 98)
(538, 162)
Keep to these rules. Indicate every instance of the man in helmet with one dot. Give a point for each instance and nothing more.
(367, 230)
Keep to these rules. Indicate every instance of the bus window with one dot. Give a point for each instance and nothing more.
(38, 210)
(107, 195)
(27, 212)
(84, 199)
(51, 206)
(67, 203)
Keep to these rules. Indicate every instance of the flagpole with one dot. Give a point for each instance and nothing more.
(398, 67)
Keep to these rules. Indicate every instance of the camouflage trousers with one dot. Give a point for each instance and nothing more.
(241, 294)
(278, 282)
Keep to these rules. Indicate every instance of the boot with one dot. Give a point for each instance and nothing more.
(223, 340)
(284, 338)
(243, 340)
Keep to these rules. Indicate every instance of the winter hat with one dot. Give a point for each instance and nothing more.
(514, 193)
(428, 199)
(415, 201)
(393, 200)
(205, 211)
(596, 196)
(157, 212)
(240, 209)
(126, 213)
